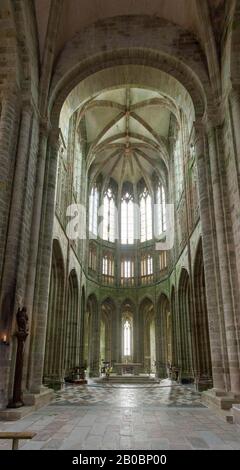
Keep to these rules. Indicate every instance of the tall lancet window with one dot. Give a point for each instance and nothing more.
(109, 216)
(127, 338)
(178, 165)
(145, 216)
(127, 219)
(160, 213)
(93, 210)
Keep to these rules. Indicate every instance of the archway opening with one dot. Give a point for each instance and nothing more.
(54, 357)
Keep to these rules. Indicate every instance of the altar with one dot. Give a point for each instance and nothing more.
(127, 368)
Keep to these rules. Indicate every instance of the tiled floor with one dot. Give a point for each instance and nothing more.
(126, 417)
(167, 393)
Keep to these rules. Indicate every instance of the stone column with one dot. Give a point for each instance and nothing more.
(158, 343)
(95, 342)
(175, 332)
(11, 256)
(35, 231)
(234, 170)
(115, 334)
(224, 239)
(118, 335)
(138, 351)
(216, 334)
(19, 224)
(161, 331)
(40, 307)
(234, 101)
(81, 332)
(9, 124)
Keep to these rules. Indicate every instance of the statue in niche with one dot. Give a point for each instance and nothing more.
(21, 335)
(22, 320)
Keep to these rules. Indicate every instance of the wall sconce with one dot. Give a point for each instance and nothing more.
(4, 340)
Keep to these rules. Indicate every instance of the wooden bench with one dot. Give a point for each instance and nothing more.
(16, 436)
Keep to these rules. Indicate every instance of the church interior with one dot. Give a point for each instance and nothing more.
(120, 223)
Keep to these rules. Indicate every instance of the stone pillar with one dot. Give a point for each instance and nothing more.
(175, 331)
(35, 232)
(162, 332)
(216, 333)
(138, 350)
(234, 101)
(224, 238)
(158, 345)
(234, 171)
(19, 222)
(115, 336)
(118, 336)
(81, 333)
(95, 341)
(9, 124)
(11, 256)
(28, 178)
(40, 307)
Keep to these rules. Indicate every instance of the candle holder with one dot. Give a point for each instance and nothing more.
(4, 340)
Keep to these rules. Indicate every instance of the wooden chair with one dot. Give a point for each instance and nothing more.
(16, 436)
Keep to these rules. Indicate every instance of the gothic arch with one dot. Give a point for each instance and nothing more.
(53, 366)
(128, 312)
(128, 302)
(74, 62)
(109, 300)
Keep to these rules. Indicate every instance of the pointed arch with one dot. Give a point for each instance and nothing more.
(53, 365)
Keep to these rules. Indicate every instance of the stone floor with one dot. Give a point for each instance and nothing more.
(165, 416)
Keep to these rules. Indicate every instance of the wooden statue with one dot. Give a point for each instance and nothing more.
(21, 335)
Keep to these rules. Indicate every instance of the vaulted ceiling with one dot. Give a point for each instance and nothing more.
(126, 132)
(79, 14)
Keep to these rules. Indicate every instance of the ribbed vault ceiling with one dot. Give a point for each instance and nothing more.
(126, 131)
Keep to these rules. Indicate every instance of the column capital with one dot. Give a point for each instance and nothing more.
(54, 136)
(44, 127)
(216, 114)
(234, 93)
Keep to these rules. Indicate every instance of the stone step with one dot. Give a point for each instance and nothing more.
(123, 379)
